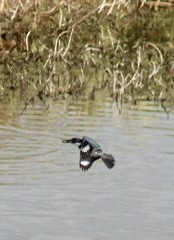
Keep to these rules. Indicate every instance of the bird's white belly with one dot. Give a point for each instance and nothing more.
(84, 163)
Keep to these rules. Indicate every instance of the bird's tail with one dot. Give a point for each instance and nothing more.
(108, 159)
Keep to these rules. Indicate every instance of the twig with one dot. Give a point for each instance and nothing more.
(26, 41)
(157, 4)
(14, 14)
(69, 42)
(112, 6)
(164, 108)
(155, 70)
(157, 49)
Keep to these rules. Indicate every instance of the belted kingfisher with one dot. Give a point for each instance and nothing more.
(90, 151)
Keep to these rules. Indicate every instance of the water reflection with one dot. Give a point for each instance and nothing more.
(44, 195)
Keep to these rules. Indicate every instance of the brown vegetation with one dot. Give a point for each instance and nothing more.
(66, 48)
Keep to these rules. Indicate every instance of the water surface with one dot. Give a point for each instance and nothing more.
(44, 194)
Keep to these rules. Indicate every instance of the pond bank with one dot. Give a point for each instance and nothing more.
(69, 49)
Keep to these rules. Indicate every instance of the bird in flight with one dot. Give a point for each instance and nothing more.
(90, 151)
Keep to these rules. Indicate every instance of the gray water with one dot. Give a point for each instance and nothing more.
(45, 196)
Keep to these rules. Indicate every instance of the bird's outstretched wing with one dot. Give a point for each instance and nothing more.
(85, 152)
(85, 164)
(90, 141)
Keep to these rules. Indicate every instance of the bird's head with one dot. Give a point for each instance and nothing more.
(96, 152)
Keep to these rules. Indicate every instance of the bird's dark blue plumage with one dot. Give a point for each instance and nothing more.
(90, 151)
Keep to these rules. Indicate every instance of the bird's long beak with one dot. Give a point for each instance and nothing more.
(67, 141)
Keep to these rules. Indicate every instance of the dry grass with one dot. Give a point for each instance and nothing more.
(58, 49)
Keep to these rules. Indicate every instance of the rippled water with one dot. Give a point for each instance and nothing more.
(44, 194)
